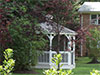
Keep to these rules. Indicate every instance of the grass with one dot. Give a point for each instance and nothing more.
(82, 68)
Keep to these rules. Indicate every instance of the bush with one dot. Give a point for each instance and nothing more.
(8, 63)
(95, 72)
(26, 43)
(93, 44)
(54, 70)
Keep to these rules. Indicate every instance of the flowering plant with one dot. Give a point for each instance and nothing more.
(8, 63)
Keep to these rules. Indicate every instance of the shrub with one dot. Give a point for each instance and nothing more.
(95, 72)
(8, 63)
(93, 44)
(54, 70)
(26, 43)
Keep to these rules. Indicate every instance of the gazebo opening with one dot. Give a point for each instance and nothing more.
(63, 43)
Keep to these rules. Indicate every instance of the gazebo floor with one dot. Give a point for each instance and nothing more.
(47, 66)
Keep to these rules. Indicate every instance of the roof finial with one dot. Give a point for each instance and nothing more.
(49, 17)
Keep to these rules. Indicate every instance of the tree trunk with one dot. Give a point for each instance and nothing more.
(58, 45)
(94, 60)
(58, 49)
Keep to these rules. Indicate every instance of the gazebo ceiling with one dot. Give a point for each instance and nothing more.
(52, 28)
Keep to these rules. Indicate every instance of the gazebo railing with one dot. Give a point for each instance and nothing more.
(44, 58)
(68, 57)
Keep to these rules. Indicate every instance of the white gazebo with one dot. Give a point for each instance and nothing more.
(68, 55)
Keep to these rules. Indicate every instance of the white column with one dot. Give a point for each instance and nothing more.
(74, 50)
(69, 48)
(81, 45)
(73, 43)
(69, 42)
(51, 36)
(64, 44)
(69, 58)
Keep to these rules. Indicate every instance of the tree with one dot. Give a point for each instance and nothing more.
(24, 15)
(93, 44)
(62, 12)
(5, 37)
(19, 19)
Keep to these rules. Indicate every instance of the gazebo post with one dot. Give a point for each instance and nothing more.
(64, 44)
(51, 36)
(69, 48)
(74, 50)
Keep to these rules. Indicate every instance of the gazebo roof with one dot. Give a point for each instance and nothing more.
(51, 28)
(88, 7)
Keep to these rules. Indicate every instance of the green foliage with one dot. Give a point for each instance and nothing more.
(26, 42)
(54, 70)
(95, 72)
(23, 16)
(8, 63)
(92, 43)
(63, 11)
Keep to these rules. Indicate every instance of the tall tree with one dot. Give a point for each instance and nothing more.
(18, 21)
(93, 44)
(62, 12)
(23, 16)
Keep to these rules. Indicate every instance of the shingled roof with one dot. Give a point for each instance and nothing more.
(90, 7)
(51, 28)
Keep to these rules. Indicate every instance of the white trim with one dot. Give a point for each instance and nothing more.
(65, 33)
(81, 46)
(51, 36)
(89, 12)
(69, 58)
(47, 66)
(48, 28)
(43, 63)
(90, 20)
(73, 43)
(50, 57)
(66, 64)
(96, 19)
(73, 50)
(81, 20)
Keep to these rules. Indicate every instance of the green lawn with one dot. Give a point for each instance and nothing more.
(82, 68)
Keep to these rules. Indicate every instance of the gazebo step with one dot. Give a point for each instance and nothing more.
(47, 66)
(42, 66)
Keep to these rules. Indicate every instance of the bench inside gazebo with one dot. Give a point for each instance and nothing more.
(68, 52)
